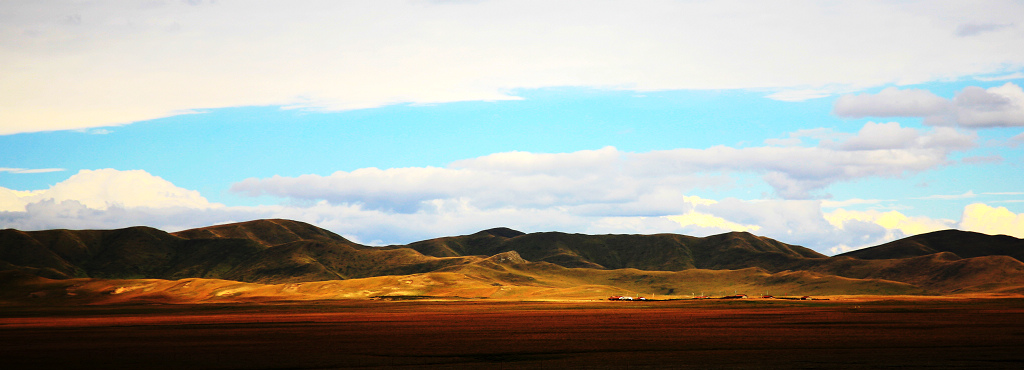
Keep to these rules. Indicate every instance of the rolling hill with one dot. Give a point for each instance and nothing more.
(500, 262)
(268, 251)
(660, 252)
(964, 244)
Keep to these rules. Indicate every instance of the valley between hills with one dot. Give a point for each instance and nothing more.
(283, 260)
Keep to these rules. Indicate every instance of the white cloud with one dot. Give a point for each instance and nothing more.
(891, 220)
(986, 219)
(707, 221)
(799, 95)
(974, 107)
(106, 188)
(861, 229)
(851, 202)
(1001, 106)
(73, 65)
(1011, 76)
(968, 194)
(891, 102)
(972, 29)
(615, 179)
(882, 136)
(30, 170)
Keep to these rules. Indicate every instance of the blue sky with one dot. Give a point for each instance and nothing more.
(834, 125)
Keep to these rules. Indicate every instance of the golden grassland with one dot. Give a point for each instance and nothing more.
(498, 282)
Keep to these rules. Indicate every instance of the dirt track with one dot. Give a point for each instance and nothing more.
(471, 334)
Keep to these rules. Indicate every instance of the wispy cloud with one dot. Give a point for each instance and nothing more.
(799, 95)
(851, 202)
(995, 158)
(973, 29)
(968, 194)
(1004, 77)
(30, 170)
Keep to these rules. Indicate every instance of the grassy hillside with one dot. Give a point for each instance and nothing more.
(505, 276)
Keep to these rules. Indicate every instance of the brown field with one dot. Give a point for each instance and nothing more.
(844, 332)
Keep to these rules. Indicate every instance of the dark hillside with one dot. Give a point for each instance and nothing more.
(965, 244)
(266, 232)
(660, 252)
(265, 251)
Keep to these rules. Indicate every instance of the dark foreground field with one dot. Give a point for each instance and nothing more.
(961, 333)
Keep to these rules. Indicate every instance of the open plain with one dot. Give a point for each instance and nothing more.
(843, 332)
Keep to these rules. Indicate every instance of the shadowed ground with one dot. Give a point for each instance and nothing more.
(953, 333)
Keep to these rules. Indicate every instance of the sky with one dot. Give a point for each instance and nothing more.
(835, 125)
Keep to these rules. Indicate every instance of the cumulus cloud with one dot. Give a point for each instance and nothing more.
(106, 188)
(986, 219)
(800, 222)
(73, 65)
(72, 214)
(1001, 106)
(892, 221)
(974, 107)
(706, 221)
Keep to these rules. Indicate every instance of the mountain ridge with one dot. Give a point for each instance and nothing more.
(278, 251)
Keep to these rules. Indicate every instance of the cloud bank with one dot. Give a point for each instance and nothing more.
(610, 180)
(75, 204)
(75, 65)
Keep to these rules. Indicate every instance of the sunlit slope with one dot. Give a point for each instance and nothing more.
(504, 276)
(660, 252)
(508, 269)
